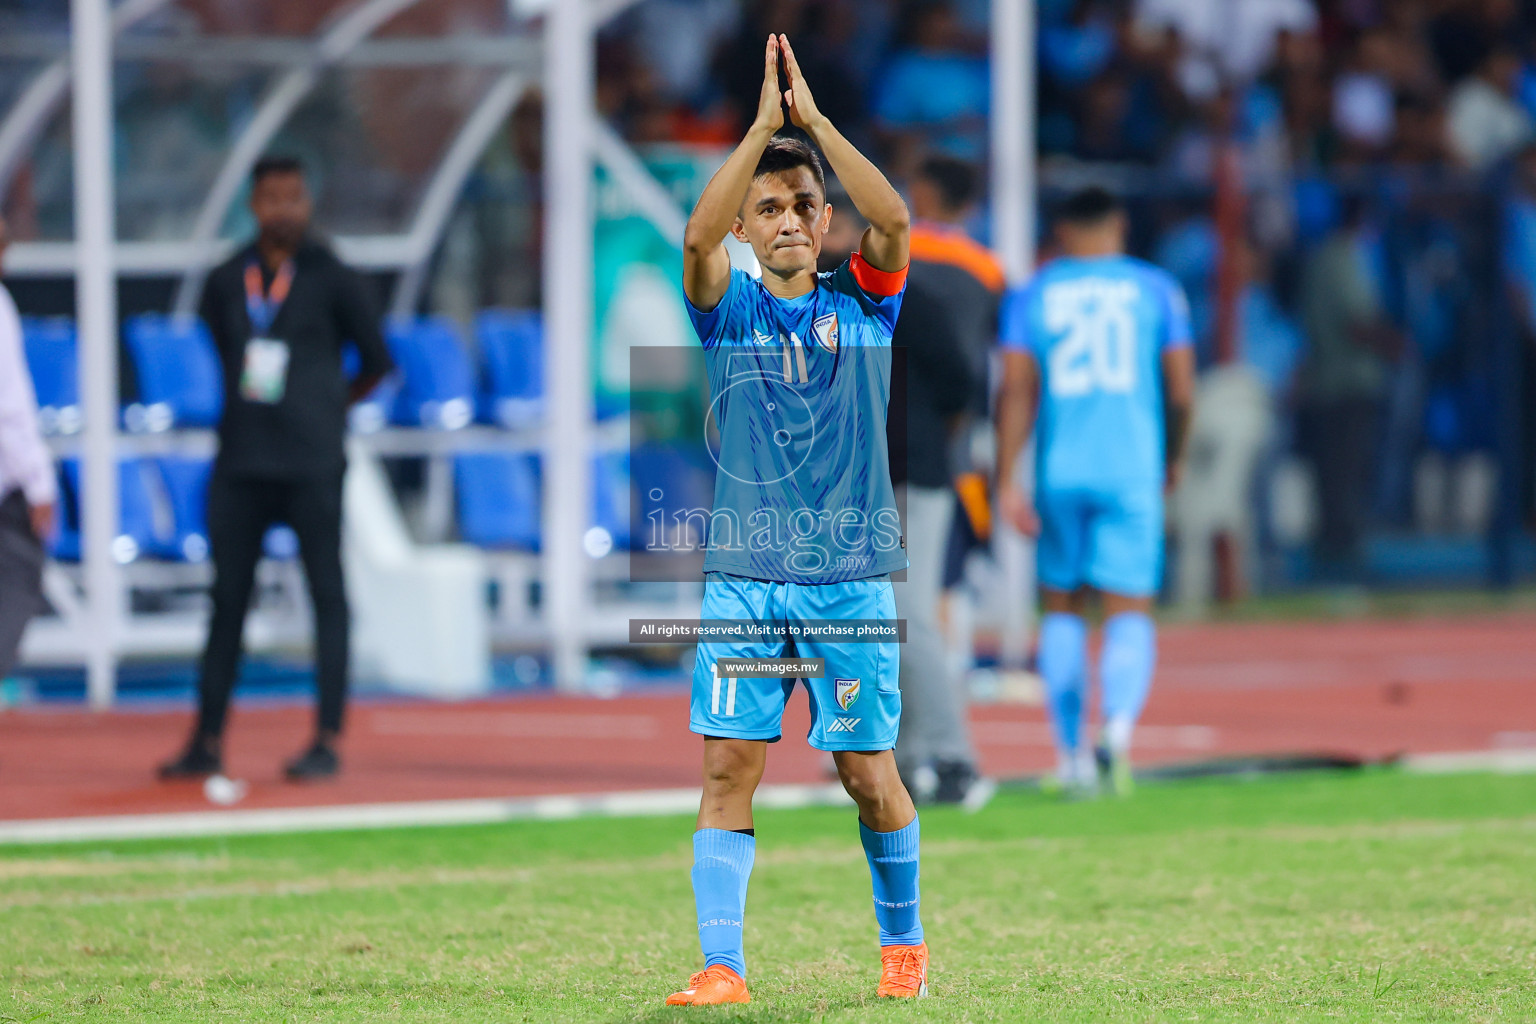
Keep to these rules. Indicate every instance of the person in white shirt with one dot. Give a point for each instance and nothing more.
(1485, 120)
(28, 486)
(1226, 40)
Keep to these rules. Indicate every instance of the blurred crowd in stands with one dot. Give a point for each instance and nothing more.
(1305, 83)
(1387, 249)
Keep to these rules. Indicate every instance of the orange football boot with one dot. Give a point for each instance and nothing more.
(903, 972)
(714, 984)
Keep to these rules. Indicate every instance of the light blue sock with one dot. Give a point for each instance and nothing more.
(893, 870)
(1125, 668)
(1063, 662)
(722, 863)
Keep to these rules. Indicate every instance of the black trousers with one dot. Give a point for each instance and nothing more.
(1343, 442)
(240, 510)
(21, 577)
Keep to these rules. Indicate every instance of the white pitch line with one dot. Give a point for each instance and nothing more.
(428, 813)
(1504, 762)
(541, 725)
(396, 815)
(1039, 734)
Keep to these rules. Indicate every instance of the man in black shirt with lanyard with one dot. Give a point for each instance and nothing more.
(280, 311)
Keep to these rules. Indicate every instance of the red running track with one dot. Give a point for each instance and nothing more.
(1370, 689)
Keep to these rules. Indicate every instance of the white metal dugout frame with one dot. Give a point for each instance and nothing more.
(574, 139)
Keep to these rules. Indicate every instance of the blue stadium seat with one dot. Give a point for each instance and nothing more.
(610, 496)
(64, 545)
(499, 495)
(673, 478)
(498, 499)
(137, 534)
(370, 414)
(186, 488)
(670, 481)
(51, 356)
(181, 381)
(437, 381)
(512, 366)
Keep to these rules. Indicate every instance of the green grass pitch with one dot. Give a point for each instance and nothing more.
(1371, 896)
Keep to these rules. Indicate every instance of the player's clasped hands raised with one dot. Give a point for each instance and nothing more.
(771, 102)
(770, 108)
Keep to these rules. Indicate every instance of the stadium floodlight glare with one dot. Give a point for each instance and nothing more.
(154, 418)
(124, 549)
(597, 542)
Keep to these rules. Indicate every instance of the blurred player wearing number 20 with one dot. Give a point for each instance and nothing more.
(799, 369)
(1104, 341)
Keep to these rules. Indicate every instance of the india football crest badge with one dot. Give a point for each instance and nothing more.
(826, 333)
(847, 691)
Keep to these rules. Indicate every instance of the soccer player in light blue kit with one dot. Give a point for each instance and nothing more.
(804, 528)
(1099, 343)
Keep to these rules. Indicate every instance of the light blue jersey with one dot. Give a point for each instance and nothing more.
(799, 390)
(805, 526)
(1098, 329)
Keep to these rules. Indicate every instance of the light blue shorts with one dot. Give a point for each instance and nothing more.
(855, 706)
(1109, 540)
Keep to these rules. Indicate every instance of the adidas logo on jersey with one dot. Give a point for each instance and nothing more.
(844, 724)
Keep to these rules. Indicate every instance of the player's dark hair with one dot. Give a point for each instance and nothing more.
(956, 180)
(269, 165)
(786, 152)
(1089, 206)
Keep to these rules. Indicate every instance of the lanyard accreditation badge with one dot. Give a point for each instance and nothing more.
(264, 376)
